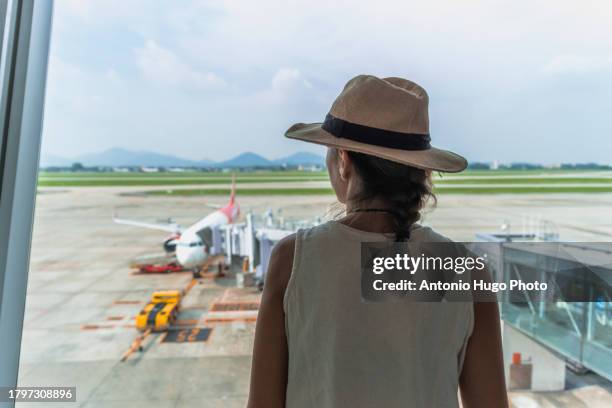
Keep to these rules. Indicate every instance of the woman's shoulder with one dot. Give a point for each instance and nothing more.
(316, 230)
(284, 251)
(280, 264)
(285, 248)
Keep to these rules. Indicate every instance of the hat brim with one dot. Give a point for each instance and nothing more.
(430, 159)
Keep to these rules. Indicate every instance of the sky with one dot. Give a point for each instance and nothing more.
(508, 80)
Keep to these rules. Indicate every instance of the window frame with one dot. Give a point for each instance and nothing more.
(25, 29)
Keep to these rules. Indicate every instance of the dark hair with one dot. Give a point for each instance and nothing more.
(406, 189)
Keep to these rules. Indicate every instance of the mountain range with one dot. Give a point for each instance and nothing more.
(117, 157)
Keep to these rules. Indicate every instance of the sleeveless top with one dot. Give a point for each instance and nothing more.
(347, 353)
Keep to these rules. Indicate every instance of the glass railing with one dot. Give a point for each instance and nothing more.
(579, 331)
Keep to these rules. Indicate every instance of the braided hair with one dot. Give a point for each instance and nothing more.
(407, 189)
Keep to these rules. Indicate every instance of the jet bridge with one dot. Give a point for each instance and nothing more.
(576, 326)
(253, 240)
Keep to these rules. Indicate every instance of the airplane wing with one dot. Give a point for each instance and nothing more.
(173, 228)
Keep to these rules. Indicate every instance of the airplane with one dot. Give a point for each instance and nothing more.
(188, 244)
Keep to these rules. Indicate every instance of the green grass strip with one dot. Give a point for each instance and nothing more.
(165, 181)
(543, 180)
(329, 191)
(83, 174)
(244, 192)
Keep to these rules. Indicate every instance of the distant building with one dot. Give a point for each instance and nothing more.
(479, 166)
(311, 167)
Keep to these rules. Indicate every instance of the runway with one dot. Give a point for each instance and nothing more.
(82, 297)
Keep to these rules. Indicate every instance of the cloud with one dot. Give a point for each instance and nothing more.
(112, 75)
(289, 80)
(65, 79)
(288, 92)
(489, 67)
(161, 65)
(571, 63)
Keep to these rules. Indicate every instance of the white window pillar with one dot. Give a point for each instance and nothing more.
(25, 26)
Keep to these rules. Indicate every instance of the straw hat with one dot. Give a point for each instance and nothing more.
(386, 118)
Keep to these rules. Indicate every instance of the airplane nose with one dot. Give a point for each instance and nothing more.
(183, 257)
(190, 257)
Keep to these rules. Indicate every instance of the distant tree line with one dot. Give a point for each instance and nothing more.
(79, 167)
(533, 166)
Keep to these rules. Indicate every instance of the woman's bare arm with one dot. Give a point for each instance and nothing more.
(269, 368)
(482, 380)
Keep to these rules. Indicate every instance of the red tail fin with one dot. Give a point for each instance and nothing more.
(233, 193)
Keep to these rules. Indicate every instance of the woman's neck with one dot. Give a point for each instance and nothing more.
(361, 215)
(374, 203)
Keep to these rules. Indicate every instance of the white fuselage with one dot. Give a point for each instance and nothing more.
(190, 249)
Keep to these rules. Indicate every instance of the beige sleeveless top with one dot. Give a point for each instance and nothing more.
(347, 353)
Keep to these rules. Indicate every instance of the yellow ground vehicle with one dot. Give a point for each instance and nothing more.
(166, 296)
(160, 312)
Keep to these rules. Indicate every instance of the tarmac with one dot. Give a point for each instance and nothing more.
(83, 296)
